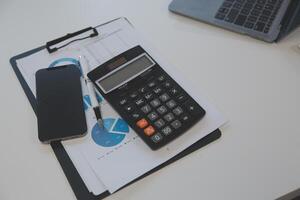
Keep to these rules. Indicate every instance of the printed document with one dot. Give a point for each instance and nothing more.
(110, 158)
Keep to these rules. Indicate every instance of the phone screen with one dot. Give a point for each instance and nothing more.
(60, 108)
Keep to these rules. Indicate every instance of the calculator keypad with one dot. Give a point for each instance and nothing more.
(161, 110)
(153, 104)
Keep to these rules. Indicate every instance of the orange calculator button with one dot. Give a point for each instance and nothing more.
(142, 123)
(149, 131)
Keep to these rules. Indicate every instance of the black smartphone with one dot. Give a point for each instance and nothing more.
(60, 109)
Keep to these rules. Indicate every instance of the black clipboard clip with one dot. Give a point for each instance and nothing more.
(68, 36)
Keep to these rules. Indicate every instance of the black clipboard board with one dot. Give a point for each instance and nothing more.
(80, 190)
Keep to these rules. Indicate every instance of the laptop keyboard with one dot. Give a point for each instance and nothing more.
(251, 14)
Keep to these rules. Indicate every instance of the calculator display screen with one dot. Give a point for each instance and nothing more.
(125, 73)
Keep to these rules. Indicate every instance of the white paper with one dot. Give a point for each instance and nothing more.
(117, 156)
(88, 176)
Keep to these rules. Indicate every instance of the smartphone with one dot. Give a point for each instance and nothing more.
(60, 109)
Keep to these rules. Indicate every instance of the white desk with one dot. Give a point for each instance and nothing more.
(255, 84)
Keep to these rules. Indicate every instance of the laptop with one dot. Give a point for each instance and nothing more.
(267, 20)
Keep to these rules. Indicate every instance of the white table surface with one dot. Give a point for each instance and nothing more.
(254, 84)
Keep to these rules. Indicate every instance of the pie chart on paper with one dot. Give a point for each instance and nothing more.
(114, 132)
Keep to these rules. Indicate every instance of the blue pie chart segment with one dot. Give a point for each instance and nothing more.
(65, 61)
(86, 102)
(121, 126)
(108, 123)
(105, 137)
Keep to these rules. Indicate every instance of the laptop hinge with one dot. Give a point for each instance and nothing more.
(291, 19)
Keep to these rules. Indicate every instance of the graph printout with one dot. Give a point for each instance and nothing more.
(111, 158)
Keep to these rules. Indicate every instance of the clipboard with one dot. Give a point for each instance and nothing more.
(78, 186)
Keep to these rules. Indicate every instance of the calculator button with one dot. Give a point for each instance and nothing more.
(157, 90)
(174, 91)
(153, 116)
(155, 103)
(157, 138)
(142, 123)
(129, 108)
(161, 78)
(178, 111)
(123, 101)
(169, 117)
(171, 104)
(193, 108)
(159, 123)
(176, 124)
(181, 98)
(152, 84)
(146, 109)
(162, 110)
(149, 96)
(149, 130)
(167, 84)
(143, 89)
(139, 102)
(133, 95)
(167, 130)
(164, 97)
(185, 117)
(136, 115)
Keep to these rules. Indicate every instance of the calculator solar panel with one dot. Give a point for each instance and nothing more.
(152, 103)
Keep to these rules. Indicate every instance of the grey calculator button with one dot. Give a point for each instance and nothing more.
(153, 116)
(169, 117)
(143, 89)
(162, 110)
(174, 91)
(139, 102)
(157, 90)
(129, 108)
(157, 138)
(135, 115)
(164, 97)
(133, 95)
(155, 103)
(152, 84)
(146, 109)
(161, 78)
(159, 123)
(167, 130)
(148, 96)
(176, 124)
(167, 84)
(178, 111)
(123, 101)
(171, 104)
(181, 98)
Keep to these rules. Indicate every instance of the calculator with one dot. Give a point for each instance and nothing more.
(153, 104)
